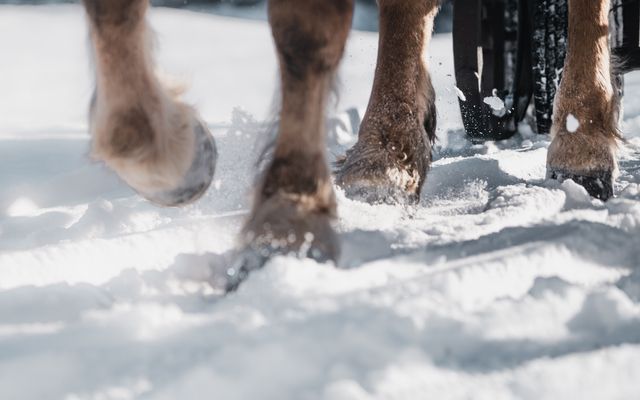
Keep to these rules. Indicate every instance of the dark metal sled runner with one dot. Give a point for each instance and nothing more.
(515, 50)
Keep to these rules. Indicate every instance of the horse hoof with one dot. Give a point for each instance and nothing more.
(599, 184)
(376, 176)
(281, 226)
(245, 262)
(254, 256)
(199, 176)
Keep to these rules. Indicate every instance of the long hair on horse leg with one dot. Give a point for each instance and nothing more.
(267, 141)
(617, 81)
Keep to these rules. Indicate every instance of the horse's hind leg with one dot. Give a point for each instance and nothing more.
(295, 202)
(140, 129)
(391, 158)
(587, 106)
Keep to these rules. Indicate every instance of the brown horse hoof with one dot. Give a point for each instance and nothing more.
(282, 225)
(378, 191)
(587, 156)
(197, 179)
(253, 257)
(382, 176)
(599, 184)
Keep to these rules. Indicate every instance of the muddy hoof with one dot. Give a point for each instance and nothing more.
(598, 184)
(283, 226)
(199, 176)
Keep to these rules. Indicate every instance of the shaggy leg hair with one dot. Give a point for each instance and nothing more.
(295, 202)
(389, 163)
(141, 130)
(585, 151)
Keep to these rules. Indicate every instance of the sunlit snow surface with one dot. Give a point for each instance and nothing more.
(499, 285)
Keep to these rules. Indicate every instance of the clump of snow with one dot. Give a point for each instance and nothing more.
(572, 123)
(459, 93)
(496, 104)
(576, 194)
(22, 207)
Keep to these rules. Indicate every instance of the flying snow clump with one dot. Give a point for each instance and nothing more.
(461, 95)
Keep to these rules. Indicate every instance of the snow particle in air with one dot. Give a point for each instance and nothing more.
(461, 95)
(494, 102)
(497, 105)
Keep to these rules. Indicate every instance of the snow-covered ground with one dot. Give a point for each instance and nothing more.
(500, 285)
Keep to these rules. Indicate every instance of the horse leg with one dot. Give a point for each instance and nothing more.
(586, 108)
(140, 129)
(295, 202)
(391, 158)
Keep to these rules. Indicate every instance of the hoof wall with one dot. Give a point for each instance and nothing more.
(199, 176)
(599, 184)
(302, 236)
(254, 257)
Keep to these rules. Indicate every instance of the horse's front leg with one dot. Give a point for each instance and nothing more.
(140, 129)
(295, 202)
(586, 110)
(390, 161)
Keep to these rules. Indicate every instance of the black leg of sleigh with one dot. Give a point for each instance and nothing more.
(625, 39)
(493, 58)
(549, 23)
(625, 35)
(515, 50)
(485, 47)
(511, 49)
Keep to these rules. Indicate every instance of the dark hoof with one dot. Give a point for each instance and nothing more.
(199, 176)
(246, 262)
(598, 184)
(255, 256)
(283, 227)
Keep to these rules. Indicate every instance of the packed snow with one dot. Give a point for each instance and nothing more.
(498, 285)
